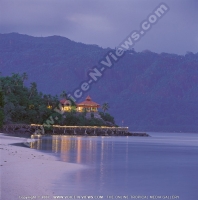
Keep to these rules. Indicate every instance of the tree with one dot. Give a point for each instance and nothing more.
(105, 107)
(55, 101)
(107, 117)
(16, 78)
(1, 99)
(1, 118)
(24, 77)
(5, 83)
(1, 109)
(7, 89)
(33, 89)
(63, 94)
(49, 99)
(24, 104)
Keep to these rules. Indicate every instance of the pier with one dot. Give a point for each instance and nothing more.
(66, 130)
(37, 129)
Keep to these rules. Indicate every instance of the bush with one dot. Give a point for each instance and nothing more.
(107, 117)
(94, 122)
(1, 99)
(76, 119)
(71, 119)
(1, 111)
(1, 118)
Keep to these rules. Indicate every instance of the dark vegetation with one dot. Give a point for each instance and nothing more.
(21, 104)
(81, 120)
(107, 117)
(1, 109)
(149, 91)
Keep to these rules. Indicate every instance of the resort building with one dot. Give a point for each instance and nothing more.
(88, 105)
(66, 105)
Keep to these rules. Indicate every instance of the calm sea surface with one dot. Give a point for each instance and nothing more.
(163, 165)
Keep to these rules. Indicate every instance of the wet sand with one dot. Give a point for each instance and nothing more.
(27, 172)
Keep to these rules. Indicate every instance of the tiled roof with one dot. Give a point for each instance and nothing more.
(65, 102)
(88, 102)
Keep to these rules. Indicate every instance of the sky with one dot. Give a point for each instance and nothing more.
(105, 23)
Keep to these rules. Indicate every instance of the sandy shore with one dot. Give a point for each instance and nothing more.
(27, 172)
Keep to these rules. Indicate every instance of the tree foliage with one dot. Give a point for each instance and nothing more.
(27, 105)
(1, 108)
(107, 117)
(105, 107)
(23, 104)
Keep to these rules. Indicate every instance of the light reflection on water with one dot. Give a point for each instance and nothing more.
(164, 164)
(74, 149)
(87, 148)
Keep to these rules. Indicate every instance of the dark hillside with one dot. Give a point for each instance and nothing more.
(149, 91)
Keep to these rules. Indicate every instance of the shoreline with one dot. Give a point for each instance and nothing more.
(28, 172)
(70, 130)
(18, 133)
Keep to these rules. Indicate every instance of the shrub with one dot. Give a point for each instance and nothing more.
(1, 118)
(107, 117)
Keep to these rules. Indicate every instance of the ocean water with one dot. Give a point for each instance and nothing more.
(163, 166)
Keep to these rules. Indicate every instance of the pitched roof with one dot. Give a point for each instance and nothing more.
(65, 102)
(88, 102)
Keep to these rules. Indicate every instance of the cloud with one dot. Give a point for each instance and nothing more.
(91, 22)
(103, 22)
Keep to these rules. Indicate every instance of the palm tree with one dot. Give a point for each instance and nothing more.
(45, 98)
(1, 82)
(1, 111)
(49, 99)
(24, 77)
(33, 89)
(63, 94)
(16, 78)
(8, 87)
(105, 107)
(1, 99)
(72, 102)
(55, 100)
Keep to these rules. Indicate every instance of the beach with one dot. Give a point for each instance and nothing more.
(163, 166)
(27, 173)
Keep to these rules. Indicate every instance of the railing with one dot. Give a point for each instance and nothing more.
(67, 130)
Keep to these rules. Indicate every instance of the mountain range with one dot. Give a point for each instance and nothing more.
(146, 91)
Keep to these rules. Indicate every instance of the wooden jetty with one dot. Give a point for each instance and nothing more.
(66, 130)
(69, 130)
